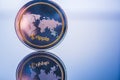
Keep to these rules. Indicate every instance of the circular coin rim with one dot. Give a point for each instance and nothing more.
(39, 54)
(29, 44)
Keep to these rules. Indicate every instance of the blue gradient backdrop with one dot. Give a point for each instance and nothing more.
(90, 50)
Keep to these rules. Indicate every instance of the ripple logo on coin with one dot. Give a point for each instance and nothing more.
(41, 66)
(41, 24)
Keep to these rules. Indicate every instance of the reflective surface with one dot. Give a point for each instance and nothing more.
(90, 50)
(41, 66)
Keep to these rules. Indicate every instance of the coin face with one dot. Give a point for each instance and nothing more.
(40, 24)
(41, 66)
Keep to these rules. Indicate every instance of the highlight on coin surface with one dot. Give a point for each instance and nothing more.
(40, 24)
(41, 66)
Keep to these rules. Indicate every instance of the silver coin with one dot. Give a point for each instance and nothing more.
(41, 24)
(41, 66)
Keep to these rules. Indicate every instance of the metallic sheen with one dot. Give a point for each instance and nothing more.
(40, 24)
(41, 66)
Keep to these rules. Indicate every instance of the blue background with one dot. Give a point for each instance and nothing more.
(90, 49)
